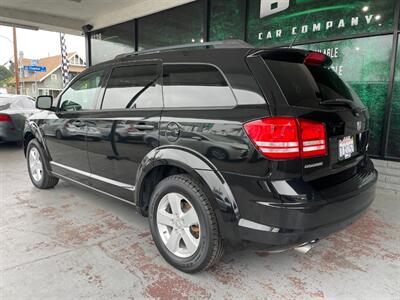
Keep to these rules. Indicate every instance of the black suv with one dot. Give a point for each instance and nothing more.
(214, 145)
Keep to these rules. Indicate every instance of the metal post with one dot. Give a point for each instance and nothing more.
(88, 48)
(16, 69)
(389, 99)
(246, 19)
(36, 86)
(206, 21)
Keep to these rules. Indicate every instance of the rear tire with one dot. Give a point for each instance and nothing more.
(36, 161)
(198, 243)
(59, 135)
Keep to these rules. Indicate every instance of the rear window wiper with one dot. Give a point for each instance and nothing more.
(339, 102)
(343, 102)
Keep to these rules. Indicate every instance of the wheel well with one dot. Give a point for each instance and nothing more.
(151, 180)
(27, 138)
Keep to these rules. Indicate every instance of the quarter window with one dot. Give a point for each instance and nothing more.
(133, 87)
(82, 94)
(195, 86)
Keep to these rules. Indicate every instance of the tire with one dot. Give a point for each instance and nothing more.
(41, 177)
(59, 135)
(210, 245)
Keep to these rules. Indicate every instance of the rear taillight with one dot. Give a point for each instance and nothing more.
(5, 118)
(275, 137)
(313, 138)
(288, 138)
(131, 128)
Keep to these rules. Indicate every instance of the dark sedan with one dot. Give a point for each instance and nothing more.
(14, 109)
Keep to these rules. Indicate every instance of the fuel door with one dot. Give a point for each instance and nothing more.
(173, 131)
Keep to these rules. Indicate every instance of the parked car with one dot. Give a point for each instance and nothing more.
(14, 109)
(300, 132)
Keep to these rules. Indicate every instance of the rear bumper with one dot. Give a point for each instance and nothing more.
(281, 221)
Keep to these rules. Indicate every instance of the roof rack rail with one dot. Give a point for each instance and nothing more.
(213, 45)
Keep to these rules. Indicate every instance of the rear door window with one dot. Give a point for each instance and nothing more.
(193, 85)
(134, 86)
(307, 86)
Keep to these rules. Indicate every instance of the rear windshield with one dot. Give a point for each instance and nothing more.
(307, 86)
(17, 102)
(4, 101)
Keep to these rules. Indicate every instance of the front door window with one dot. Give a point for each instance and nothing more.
(82, 94)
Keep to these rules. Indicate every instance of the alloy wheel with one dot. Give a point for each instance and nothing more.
(35, 164)
(178, 225)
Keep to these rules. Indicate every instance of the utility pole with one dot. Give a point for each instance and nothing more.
(16, 68)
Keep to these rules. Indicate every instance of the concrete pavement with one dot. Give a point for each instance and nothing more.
(70, 243)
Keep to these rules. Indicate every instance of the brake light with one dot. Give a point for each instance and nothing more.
(316, 59)
(275, 137)
(131, 128)
(287, 138)
(5, 118)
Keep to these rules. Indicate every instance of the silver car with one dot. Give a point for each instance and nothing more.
(14, 109)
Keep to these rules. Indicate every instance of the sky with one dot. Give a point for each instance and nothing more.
(37, 44)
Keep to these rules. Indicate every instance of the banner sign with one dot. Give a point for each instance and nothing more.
(273, 22)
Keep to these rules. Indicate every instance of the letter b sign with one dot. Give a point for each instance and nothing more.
(270, 7)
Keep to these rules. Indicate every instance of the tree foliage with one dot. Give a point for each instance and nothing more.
(5, 73)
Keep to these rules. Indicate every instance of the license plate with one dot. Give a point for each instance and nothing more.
(346, 147)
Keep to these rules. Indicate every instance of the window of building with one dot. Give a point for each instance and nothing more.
(364, 64)
(75, 60)
(195, 86)
(133, 87)
(227, 19)
(180, 25)
(394, 129)
(112, 41)
(44, 92)
(83, 93)
(53, 76)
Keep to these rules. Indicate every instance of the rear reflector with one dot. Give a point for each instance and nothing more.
(287, 138)
(5, 118)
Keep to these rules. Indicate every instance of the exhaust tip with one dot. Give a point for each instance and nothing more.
(304, 248)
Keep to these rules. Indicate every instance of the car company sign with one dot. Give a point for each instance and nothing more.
(280, 21)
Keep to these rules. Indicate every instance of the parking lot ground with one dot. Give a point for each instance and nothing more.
(70, 243)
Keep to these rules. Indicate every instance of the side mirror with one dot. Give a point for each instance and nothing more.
(44, 102)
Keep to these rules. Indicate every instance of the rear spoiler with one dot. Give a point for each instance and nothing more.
(296, 56)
